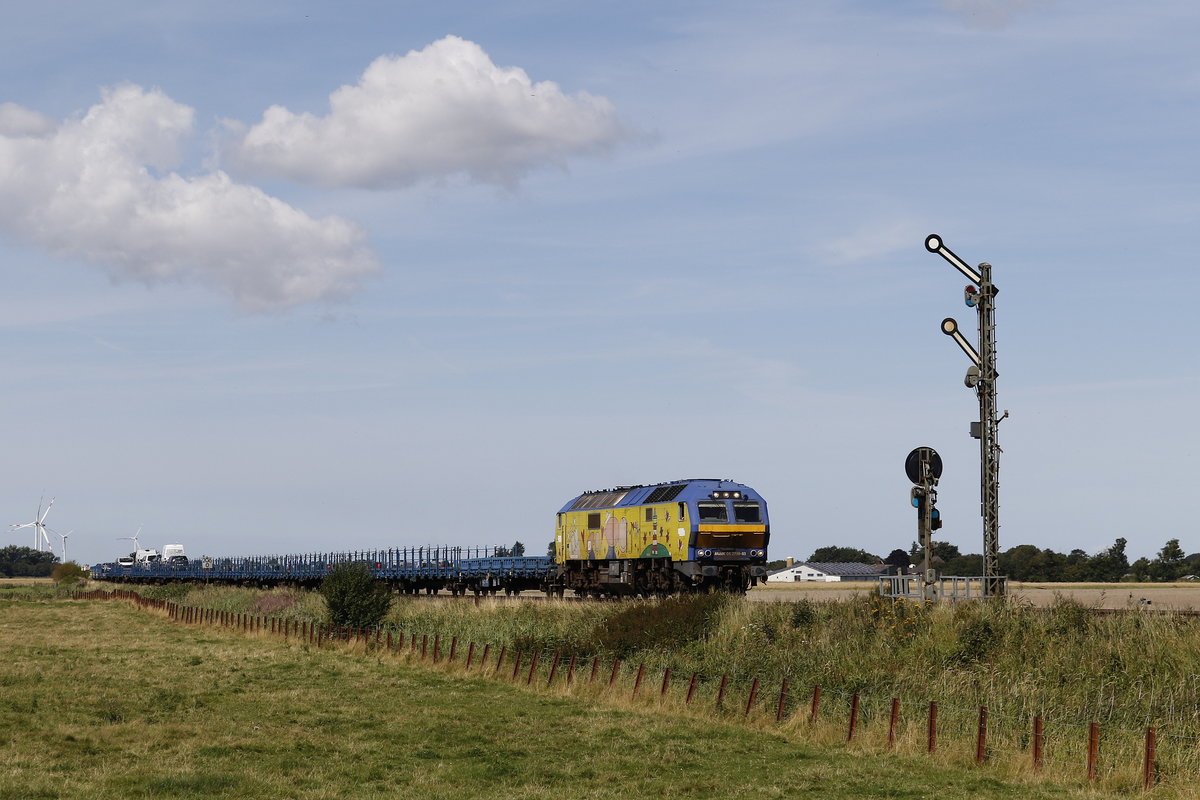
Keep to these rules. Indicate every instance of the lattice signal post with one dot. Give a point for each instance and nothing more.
(923, 467)
(981, 376)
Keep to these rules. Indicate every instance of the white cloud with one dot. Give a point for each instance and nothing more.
(18, 121)
(432, 113)
(98, 187)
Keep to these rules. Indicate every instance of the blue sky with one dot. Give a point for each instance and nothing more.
(299, 276)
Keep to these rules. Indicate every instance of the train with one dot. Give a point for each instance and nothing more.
(692, 535)
(695, 535)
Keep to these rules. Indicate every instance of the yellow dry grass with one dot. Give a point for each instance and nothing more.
(1182, 596)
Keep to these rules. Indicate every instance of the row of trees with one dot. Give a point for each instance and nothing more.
(25, 562)
(1027, 562)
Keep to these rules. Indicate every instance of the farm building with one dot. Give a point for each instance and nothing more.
(826, 571)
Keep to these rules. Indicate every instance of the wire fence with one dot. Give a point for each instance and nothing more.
(1108, 757)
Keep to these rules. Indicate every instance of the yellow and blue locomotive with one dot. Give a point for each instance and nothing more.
(692, 535)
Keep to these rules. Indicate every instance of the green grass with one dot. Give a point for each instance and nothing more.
(100, 700)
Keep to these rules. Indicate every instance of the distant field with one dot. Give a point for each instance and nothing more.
(174, 711)
(24, 581)
(1167, 596)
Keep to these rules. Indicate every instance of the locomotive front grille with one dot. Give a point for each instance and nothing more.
(727, 540)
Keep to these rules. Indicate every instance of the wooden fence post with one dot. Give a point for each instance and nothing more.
(1149, 769)
(595, 666)
(516, 665)
(554, 667)
(751, 697)
(853, 717)
(571, 669)
(533, 665)
(893, 721)
(612, 678)
(931, 727)
(453, 648)
(781, 706)
(666, 682)
(815, 709)
(691, 690)
(721, 689)
(1093, 751)
(637, 682)
(470, 653)
(981, 736)
(1039, 744)
(500, 659)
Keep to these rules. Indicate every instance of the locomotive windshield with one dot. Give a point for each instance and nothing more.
(747, 512)
(712, 512)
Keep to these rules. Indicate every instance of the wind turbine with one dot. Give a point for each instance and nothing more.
(134, 539)
(64, 536)
(38, 525)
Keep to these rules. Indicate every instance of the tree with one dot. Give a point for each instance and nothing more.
(1110, 565)
(962, 566)
(1015, 561)
(25, 562)
(68, 573)
(835, 554)
(354, 598)
(1140, 569)
(899, 559)
(1169, 565)
(518, 550)
(1047, 565)
(941, 550)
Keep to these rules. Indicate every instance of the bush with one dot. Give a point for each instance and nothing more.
(170, 592)
(68, 573)
(354, 598)
(664, 625)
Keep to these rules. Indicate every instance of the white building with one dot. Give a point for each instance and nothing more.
(827, 572)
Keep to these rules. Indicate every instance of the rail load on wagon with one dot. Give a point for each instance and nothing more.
(701, 534)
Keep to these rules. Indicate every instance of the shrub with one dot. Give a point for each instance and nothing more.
(804, 614)
(976, 640)
(172, 592)
(669, 623)
(68, 573)
(354, 598)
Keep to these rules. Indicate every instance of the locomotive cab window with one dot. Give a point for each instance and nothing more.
(594, 521)
(712, 512)
(747, 512)
(651, 515)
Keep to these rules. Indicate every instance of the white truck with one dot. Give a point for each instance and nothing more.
(173, 554)
(145, 557)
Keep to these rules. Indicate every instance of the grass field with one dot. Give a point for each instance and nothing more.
(1166, 596)
(102, 701)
